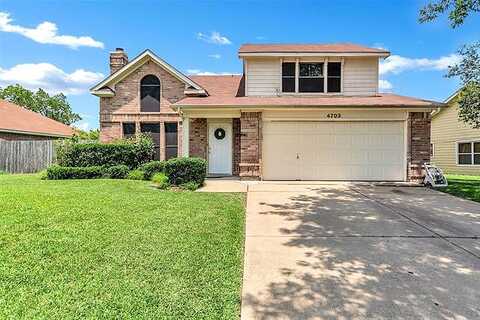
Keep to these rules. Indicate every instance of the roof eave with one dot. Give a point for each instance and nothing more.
(314, 54)
(35, 133)
(125, 71)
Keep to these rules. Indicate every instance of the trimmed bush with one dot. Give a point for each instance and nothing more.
(192, 186)
(129, 152)
(184, 170)
(57, 172)
(136, 175)
(117, 172)
(161, 181)
(151, 168)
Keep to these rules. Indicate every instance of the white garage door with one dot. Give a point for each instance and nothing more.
(333, 150)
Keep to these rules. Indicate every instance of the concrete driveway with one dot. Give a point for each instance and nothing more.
(352, 251)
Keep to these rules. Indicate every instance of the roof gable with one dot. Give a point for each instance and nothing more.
(104, 88)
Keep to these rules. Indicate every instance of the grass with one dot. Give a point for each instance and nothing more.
(467, 187)
(117, 249)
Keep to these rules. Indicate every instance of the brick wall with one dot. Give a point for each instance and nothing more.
(418, 152)
(236, 128)
(198, 140)
(15, 136)
(250, 145)
(125, 105)
(110, 131)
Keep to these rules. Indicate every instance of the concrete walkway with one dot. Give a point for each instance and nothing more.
(347, 251)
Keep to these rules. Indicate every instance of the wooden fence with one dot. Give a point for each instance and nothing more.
(26, 156)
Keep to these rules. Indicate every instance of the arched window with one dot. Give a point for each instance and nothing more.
(150, 94)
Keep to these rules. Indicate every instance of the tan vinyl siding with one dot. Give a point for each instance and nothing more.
(263, 77)
(447, 130)
(360, 76)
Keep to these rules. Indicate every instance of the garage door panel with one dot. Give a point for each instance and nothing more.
(333, 150)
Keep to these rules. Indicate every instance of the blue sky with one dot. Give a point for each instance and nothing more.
(204, 36)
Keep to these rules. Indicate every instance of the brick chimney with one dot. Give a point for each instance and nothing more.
(118, 59)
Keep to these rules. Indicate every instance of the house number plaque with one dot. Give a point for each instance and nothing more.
(334, 115)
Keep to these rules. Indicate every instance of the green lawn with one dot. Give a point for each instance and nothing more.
(117, 249)
(467, 187)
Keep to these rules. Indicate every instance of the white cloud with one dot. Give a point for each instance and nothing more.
(50, 78)
(82, 126)
(198, 72)
(214, 37)
(260, 38)
(215, 56)
(384, 85)
(46, 33)
(396, 64)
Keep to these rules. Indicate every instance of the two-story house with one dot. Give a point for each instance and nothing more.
(298, 112)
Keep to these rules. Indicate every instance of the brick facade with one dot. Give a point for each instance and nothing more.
(250, 145)
(236, 128)
(125, 105)
(198, 138)
(418, 149)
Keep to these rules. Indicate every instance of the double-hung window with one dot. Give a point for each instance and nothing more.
(311, 77)
(334, 77)
(468, 153)
(288, 77)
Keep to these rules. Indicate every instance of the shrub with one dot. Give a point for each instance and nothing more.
(161, 181)
(183, 170)
(136, 175)
(43, 175)
(129, 152)
(192, 186)
(151, 168)
(57, 172)
(117, 172)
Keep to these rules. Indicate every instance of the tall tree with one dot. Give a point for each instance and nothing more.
(457, 10)
(55, 107)
(468, 69)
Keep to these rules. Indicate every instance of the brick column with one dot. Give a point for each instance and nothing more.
(250, 145)
(418, 149)
(198, 142)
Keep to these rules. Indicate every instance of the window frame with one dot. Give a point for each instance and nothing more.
(124, 135)
(322, 77)
(140, 94)
(323, 60)
(472, 153)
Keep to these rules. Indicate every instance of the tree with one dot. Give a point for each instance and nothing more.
(468, 69)
(88, 135)
(458, 10)
(55, 107)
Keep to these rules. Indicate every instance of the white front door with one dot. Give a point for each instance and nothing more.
(220, 147)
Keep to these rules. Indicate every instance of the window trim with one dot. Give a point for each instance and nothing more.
(323, 60)
(472, 153)
(140, 95)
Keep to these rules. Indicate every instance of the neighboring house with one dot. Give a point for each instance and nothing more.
(26, 139)
(455, 145)
(298, 112)
(18, 123)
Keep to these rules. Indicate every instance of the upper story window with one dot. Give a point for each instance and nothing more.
(334, 77)
(310, 78)
(288, 77)
(150, 94)
(313, 77)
